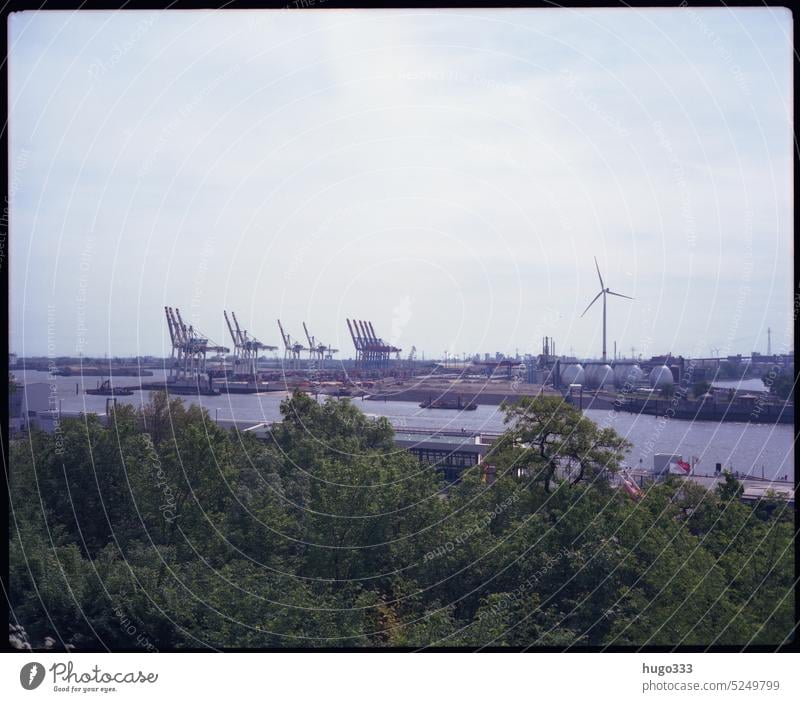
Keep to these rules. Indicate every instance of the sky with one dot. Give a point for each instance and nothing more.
(448, 174)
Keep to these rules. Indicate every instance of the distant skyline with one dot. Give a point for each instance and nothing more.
(447, 174)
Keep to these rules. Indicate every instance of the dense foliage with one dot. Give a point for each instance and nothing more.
(780, 384)
(164, 531)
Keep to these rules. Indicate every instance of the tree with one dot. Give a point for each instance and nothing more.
(781, 385)
(552, 440)
(160, 530)
(700, 387)
(359, 493)
(730, 488)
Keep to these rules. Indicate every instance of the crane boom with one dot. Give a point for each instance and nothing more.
(364, 332)
(230, 329)
(179, 332)
(242, 336)
(372, 332)
(353, 336)
(308, 336)
(169, 326)
(286, 342)
(184, 330)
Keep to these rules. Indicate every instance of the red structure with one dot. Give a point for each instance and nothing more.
(371, 351)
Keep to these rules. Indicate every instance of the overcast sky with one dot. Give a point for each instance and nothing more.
(447, 174)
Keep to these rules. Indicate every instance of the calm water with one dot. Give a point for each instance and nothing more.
(740, 446)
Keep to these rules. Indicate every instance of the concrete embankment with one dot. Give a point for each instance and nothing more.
(127, 371)
(488, 396)
(751, 409)
(752, 412)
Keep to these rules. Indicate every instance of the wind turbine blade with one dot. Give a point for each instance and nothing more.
(619, 295)
(592, 302)
(598, 272)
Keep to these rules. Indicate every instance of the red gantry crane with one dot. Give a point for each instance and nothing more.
(371, 350)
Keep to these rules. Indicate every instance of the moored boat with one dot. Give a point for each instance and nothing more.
(448, 404)
(105, 388)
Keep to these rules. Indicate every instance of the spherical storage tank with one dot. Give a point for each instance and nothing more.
(599, 376)
(573, 375)
(627, 374)
(660, 377)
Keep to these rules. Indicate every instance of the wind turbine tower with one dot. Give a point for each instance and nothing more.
(603, 291)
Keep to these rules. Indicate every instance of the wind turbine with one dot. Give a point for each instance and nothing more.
(603, 291)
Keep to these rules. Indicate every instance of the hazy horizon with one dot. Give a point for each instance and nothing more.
(447, 174)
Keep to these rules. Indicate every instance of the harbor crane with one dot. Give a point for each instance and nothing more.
(246, 348)
(292, 349)
(189, 348)
(317, 351)
(371, 350)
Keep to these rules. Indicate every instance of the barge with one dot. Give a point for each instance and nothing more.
(448, 404)
(105, 388)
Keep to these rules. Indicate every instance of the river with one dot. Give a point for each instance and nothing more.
(742, 447)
